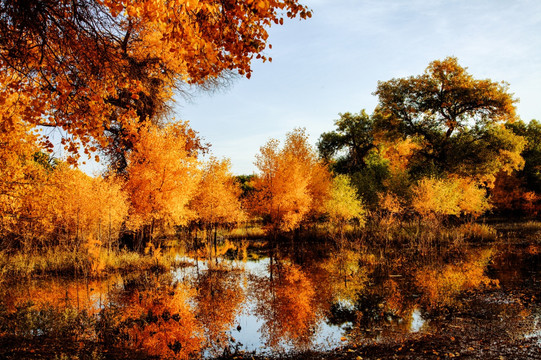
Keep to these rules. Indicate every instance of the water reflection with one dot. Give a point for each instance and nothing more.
(285, 302)
(220, 299)
(293, 300)
(157, 319)
(417, 321)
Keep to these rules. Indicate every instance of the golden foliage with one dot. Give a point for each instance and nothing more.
(86, 66)
(452, 196)
(291, 184)
(398, 153)
(163, 176)
(86, 208)
(20, 175)
(217, 198)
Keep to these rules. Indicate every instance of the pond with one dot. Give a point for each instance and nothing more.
(251, 299)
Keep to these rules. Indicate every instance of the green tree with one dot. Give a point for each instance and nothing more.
(456, 120)
(351, 141)
(531, 154)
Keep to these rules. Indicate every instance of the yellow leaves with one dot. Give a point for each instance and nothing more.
(452, 196)
(163, 175)
(343, 204)
(217, 198)
(291, 184)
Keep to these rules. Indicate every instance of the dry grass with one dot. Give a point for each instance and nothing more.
(79, 264)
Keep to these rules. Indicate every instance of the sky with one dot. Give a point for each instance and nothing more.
(331, 64)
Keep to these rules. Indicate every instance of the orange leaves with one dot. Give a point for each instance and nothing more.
(291, 183)
(289, 316)
(163, 175)
(169, 322)
(217, 198)
(103, 64)
(90, 210)
(399, 153)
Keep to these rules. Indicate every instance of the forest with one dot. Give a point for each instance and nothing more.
(429, 187)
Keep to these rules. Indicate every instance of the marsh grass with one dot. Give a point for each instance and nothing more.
(425, 235)
(80, 263)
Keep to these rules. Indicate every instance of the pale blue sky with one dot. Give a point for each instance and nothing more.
(331, 63)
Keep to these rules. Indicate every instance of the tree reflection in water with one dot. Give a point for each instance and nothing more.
(159, 320)
(220, 298)
(285, 301)
(284, 304)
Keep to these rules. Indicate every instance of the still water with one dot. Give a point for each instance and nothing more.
(252, 298)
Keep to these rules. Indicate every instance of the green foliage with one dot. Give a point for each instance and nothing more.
(531, 154)
(245, 183)
(353, 138)
(482, 152)
(370, 180)
(455, 119)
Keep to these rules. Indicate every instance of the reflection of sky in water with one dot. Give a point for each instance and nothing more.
(248, 336)
(536, 332)
(417, 321)
(368, 318)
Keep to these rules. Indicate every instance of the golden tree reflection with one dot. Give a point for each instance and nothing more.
(346, 275)
(219, 298)
(441, 285)
(161, 322)
(286, 304)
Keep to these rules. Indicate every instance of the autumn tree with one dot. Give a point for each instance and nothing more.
(439, 198)
(520, 191)
(216, 201)
(163, 177)
(343, 204)
(20, 173)
(457, 121)
(291, 184)
(95, 68)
